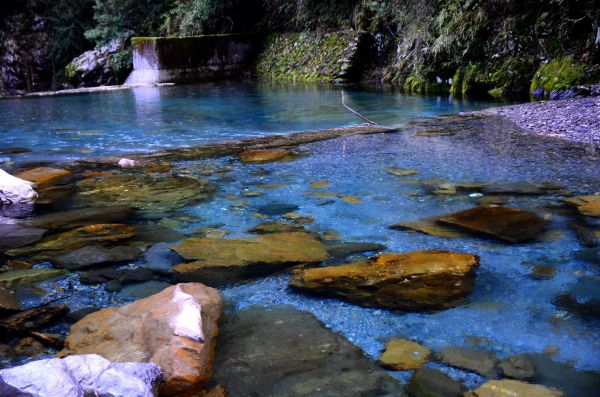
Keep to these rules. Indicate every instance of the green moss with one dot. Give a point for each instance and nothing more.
(559, 74)
(456, 88)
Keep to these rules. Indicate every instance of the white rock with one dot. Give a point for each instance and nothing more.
(14, 190)
(80, 376)
(126, 163)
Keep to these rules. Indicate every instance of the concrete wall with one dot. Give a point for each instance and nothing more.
(189, 59)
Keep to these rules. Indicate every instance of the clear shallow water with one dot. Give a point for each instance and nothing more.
(150, 118)
(508, 310)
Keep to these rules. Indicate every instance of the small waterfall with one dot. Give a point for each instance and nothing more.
(142, 76)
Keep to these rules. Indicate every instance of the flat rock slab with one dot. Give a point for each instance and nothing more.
(80, 376)
(78, 238)
(514, 388)
(475, 360)
(414, 281)
(175, 329)
(20, 278)
(218, 261)
(280, 351)
(94, 255)
(267, 156)
(430, 226)
(31, 319)
(14, 234)
(505, 223)
(44, 176)
(82, 217)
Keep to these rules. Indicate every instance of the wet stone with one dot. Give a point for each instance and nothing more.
(31, 319)
(400, 172)
(403, 355)
(341, 251)
(93, 255)
(8, 303)
(124, 276)
(143, 290)
(516, 188)
(82, 217)
(586, 205)
(475, 360)
(275, 209)
(280, 351)
(160, 258)
(14, 234)
(412, 281)
(44, 176)
(428, 382)
(543, 272)
(430, 226)
(18, 278)
(517, 367)
(514, 388)
(267, 156)
(505, 223)
(275, 227)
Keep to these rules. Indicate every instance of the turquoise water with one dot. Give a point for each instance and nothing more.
(151, 118)
(509, 312)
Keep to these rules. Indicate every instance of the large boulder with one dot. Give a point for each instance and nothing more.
(175, 329)
(280, 351)
(80, 376)
(15, 190)
(413, 281)
(95, 67)
(218, 261)
(505, 223)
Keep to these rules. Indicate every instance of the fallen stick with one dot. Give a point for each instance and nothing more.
(355, 112)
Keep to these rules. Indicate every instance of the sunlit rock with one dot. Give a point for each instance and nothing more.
(414, 281)
(267, 156)
(586, 205)
(15, 190)
(77, 238)
(403, 355)
(175, 329)
(514, 388)
(44, 176)
(505, 223)
(219, 261)
(79, 376)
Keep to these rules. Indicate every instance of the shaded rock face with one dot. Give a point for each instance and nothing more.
(175, 329)
(92, 255)
(586, 205)
(413, 281)
(475, 360)
(93, 67)
(77, 238)
(427, 382)
(514, 388)
(80, 376)
(15, 190)
(82, 217)
(280, 351)
(218, 261)
(14, 233)
(505, 223)
(151, 195)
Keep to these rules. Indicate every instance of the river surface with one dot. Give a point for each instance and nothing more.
(509, 312)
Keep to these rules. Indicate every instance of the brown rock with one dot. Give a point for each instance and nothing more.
(420, 280)
(517, 367)
(475, 360)
(218, 261)
(43, 176)
(175, 329)
(266, 156)
(586, 205)
(514, 388)
(275, 227)
(430, 226)
(505, 223)
(82, 217)
(78, 238)
(428, 382)
(8, 303)
(31, 319)
(404, 355)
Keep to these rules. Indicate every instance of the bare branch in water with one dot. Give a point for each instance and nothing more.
(355, 112)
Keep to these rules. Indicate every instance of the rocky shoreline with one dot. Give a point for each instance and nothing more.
(575, 119)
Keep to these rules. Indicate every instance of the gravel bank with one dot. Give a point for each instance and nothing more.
(576, 119)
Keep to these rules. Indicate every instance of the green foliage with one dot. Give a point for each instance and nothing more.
(559, 74)
(302, 15)
(121, 64)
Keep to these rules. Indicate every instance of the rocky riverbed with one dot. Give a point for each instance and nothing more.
(574, 119)
(313, 253)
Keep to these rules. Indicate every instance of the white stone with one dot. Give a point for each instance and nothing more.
(80, 376)
(14, 190)
(126, 163)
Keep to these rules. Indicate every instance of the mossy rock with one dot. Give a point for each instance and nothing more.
(559, 74)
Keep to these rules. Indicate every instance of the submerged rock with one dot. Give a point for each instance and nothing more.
(428, 382)
(403, 355)
(160, 258)
(414, 281)
(93, 255)
(517, 367)
(475, 360)
(82, 217)
(175, 329)
(19, 278)
(505, 223)
(80, 376)
(44, 176)
(280, 351)
(518, 188)
(78, 238)
(275, 227)
(430, 226)
(274, 208)
(267, 156)
(400, 172)
(31, 319)
(150, 194)
(218, 261)
(8, 303)
(15, 190)
(514, 388)
(342, 250)
(586, 205)
(14, 233)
